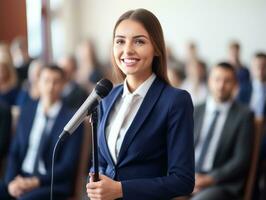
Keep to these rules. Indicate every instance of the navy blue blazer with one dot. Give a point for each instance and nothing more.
(67, 154)
(156, 159)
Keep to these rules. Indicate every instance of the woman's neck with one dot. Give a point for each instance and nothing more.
(133, 82)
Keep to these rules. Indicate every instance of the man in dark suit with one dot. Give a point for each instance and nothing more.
(28, 174)
(223, 139)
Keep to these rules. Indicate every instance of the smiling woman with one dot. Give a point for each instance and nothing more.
(146, 126)
(133, 51)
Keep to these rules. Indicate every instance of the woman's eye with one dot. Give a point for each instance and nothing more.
(139, 42)
(119, 41)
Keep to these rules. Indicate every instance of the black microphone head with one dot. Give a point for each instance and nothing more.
(103, 87)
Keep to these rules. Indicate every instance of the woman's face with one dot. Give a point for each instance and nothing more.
(133, 50)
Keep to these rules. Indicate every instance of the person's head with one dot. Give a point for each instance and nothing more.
(69, 65)
(258, 67)
(51, 83)
(138, 45)
(8, 74)
(222, 82)
(19, 51)
(191, 51)
(234, 53)
(196, 71)
(34, 71)
(86, 54)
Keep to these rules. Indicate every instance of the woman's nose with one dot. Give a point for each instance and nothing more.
(129, 49)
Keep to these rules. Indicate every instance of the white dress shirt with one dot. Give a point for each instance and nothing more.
(115, 144)
(211, 107)
(37, 130)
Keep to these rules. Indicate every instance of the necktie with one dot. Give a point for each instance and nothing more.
(206, 142)
(44, 141)
(119, 120)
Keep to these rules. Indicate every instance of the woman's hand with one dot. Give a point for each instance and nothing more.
(105, 189)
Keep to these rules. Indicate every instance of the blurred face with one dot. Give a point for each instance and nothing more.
(233, 55)
(34, 73)
(132, 49)
(51, 85)
(221, 84)
(259, 69)
(195, 71)
(68, 68)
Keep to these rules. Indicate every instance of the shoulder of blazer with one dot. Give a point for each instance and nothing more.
(241, 110)
(176, 94)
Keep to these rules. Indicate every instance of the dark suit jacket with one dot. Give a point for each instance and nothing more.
(5, 129)
(156, 159)
(232, 158)
(66, 156)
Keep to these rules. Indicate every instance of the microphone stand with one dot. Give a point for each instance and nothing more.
(94, 123)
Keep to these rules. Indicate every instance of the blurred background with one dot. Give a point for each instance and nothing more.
(77, 35)
(62, 24)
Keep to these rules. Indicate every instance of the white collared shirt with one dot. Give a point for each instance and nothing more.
(37, 130)
(211, 107)
(140, 92)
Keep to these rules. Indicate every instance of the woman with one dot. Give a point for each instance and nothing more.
(146, 146)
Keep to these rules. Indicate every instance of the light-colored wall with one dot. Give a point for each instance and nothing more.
(211, 23)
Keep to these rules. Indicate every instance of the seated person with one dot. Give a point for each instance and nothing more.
(73, 94)
(223, 139)
(258, 92)
(30, 90)
(28, 173)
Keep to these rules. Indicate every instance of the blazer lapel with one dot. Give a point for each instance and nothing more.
(103, 141)
(148, 103)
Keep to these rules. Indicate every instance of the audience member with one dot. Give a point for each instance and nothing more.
(8, 83)
(223, 139)
(30, 89)
(258, 94)
(21, 58)
(89, 68)
(243, 75)
(195, 82)
(28, 173)
(73, 94)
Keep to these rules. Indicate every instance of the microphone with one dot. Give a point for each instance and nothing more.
(101, 90)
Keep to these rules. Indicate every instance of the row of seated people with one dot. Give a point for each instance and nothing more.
(224, 137)
(202, 133)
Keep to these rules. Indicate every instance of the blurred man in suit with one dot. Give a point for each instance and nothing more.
(223, 139)
(28, 175)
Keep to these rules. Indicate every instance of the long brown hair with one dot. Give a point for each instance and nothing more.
(154, 29)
